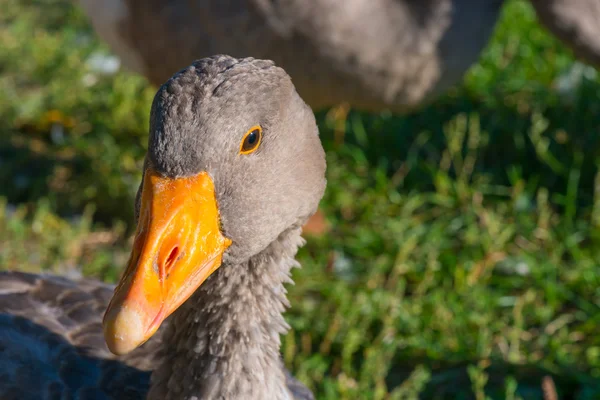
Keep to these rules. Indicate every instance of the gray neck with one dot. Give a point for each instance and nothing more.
(223, 343)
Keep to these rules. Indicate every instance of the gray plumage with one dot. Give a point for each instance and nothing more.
(51, 342)
(575, 22)
(372, 54)
(223, 343)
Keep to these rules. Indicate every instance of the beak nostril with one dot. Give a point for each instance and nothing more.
(173, 256)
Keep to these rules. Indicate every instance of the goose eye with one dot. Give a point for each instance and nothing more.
(251, 140)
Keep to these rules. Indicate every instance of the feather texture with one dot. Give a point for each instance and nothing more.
(52, 347)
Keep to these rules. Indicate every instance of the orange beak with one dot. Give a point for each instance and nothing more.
(178, 244)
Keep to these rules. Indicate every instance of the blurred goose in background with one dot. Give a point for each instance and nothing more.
(234, 168)
(575, 22)
(370, 54)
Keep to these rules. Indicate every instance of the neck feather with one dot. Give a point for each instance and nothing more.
(223, 343)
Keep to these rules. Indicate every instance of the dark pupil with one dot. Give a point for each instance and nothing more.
(252, 138)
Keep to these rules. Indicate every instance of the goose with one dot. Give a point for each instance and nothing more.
(575, 23)
(368, 54)
(234, 168)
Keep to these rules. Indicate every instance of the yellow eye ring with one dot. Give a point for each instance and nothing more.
(251, 140)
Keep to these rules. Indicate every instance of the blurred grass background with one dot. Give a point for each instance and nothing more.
(462, 260)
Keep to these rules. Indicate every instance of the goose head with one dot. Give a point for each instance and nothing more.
(234, 159)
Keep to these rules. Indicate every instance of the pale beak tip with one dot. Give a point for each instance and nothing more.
(123, 329)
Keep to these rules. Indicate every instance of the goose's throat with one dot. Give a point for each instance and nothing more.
(224, 341)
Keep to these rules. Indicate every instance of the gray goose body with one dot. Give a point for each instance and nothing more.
(575, 22)
(51, 342)
(223, 342)
(372, 54)
(52, 347)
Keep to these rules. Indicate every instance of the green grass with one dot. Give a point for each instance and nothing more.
(463, 260)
